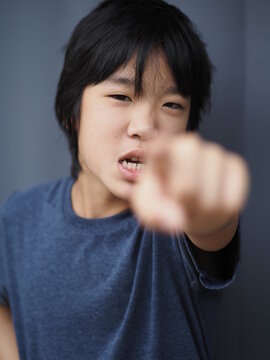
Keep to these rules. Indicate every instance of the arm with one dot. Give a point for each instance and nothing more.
(8, 344)
(219, 264)
(218, 238)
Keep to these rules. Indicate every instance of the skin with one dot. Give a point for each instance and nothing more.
(189, 184)
(193, 186)
(8, 344)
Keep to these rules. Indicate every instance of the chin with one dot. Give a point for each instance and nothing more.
(124, 191)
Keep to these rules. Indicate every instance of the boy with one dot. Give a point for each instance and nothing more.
(82, 276)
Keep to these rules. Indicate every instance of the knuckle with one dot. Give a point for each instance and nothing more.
(214, 150)
(187, 146)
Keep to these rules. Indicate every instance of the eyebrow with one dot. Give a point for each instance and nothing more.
(121, 80)
(171, 90)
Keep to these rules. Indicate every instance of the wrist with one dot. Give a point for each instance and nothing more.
(215, 237)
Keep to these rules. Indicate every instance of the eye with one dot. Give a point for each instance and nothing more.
(173, 106)
(120, 97)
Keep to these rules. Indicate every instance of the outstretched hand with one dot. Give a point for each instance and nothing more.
(190, 185)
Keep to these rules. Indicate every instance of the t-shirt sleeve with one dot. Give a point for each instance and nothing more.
(213, 270)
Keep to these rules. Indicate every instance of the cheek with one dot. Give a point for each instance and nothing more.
(101, 130)
(173, 126)
(99, 142)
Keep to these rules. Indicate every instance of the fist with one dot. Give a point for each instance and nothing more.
(190, 185)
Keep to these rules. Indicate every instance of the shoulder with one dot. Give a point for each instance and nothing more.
(30, 202)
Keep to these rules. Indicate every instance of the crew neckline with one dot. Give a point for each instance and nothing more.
(105, 224)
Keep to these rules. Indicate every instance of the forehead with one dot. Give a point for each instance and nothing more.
(156, 74)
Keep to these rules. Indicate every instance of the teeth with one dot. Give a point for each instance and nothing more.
(140, 166)
(133, 166)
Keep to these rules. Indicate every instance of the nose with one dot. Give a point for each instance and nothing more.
(143, 125)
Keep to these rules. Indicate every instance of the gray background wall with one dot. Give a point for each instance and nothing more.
(32, 149)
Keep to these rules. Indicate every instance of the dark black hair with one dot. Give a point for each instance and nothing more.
(109, 36)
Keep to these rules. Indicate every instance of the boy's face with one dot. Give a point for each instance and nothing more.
(114, 125)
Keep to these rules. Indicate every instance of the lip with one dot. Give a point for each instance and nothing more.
(138, 153)
(130, 174)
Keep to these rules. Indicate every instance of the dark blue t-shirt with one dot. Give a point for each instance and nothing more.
(100, 288)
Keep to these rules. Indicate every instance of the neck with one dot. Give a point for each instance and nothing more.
(90, 200)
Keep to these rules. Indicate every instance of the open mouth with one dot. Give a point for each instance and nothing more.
(133, 163)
